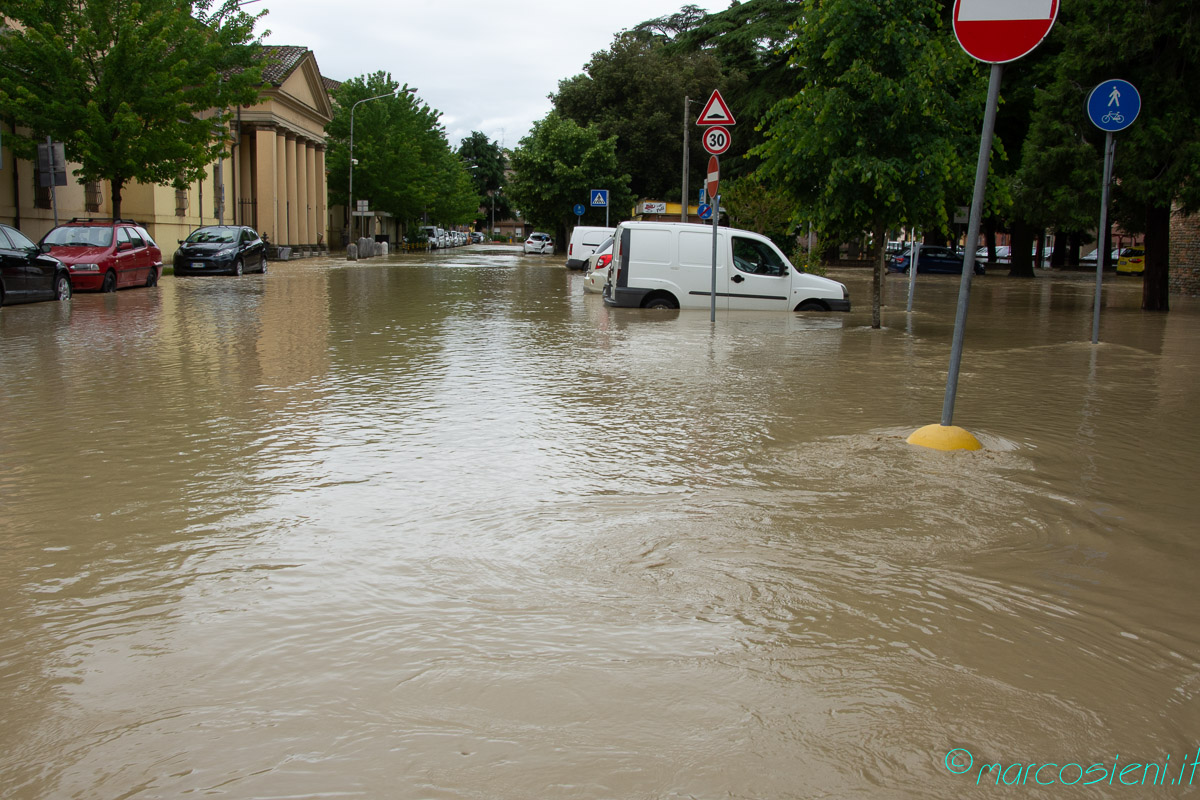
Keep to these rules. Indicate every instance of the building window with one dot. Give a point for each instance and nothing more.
(92, 198)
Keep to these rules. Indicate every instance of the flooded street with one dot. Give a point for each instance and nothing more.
(442, 526)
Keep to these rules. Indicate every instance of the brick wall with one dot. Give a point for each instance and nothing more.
(1185, 255)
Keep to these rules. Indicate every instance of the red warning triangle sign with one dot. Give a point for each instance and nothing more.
(716, 112)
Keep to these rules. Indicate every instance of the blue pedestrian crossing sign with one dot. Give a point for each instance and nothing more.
(600, 198)
(1114, 105)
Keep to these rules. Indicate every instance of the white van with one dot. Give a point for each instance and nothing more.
(430, 234)
(670, 265)
(584, 241)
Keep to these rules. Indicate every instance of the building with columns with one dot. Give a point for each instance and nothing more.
(272, 178)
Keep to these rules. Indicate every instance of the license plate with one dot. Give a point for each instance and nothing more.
(198, 265)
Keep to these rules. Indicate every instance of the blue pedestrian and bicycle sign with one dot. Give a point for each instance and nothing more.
(1114, 105)
(579, 209)
(600, 197)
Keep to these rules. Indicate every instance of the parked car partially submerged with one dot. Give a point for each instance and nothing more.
(596, 268)
(221, 249)
(933, 259)
(26, 273)
(105, 254)
(539, 243)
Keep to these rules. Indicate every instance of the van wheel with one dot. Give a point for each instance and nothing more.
(110, 282)
(812, 305)
(661, 304)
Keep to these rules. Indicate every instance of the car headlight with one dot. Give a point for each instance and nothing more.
(85, 267)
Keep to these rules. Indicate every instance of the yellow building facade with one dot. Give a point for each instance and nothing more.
(272, 178)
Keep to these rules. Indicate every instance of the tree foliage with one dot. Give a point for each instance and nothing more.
(556, 166)
(485, 159)
(134, 90)
(877, 134)
(405, 164)
(1153, 45)
(634, 92)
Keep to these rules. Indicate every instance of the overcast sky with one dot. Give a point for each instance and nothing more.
(487, 66)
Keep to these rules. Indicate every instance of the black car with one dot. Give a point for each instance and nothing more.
(228, 249)
(933, 259)
(26, 273)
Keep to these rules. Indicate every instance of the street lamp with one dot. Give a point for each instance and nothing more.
(405, 90)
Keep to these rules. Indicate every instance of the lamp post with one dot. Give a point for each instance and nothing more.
(405, 90)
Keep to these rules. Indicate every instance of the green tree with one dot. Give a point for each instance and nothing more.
(634, 92)
(554, 168)
(485, 159)
(405, 166)
(753, 205)
(1153, 45)
(875, 137)
(135, 91)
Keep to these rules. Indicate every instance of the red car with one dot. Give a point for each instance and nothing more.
(104, 254)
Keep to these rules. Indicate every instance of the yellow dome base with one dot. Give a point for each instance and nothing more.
(944, 437)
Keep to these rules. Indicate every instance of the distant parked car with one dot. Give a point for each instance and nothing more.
(1090, 258)
(476, 237)
(1003, 254)
(26, 273)
(1133, 261)
(105, 254)
(596, 269)
(934, 259)
(230, 249)
(539, 243)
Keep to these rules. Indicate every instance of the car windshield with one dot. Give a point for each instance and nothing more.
(209, 235)
(80, 236)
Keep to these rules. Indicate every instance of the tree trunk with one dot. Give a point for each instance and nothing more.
(877, 281)
(1021, 266)
(116, 187)
(1156, 277)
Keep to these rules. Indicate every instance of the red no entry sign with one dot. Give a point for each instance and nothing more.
(999, 31)
(714, 176)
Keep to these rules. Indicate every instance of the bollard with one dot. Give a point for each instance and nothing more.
(383, 248)
(352, 252)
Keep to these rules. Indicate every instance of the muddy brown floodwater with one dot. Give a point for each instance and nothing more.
(442, 526)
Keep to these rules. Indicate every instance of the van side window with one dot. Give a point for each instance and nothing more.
(755, 258)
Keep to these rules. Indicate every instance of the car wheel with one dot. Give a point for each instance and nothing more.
(237, 268)
(110, 282)
(152, 278)
(812, 305)
(661, 304)
(264, 265)
(62, 288)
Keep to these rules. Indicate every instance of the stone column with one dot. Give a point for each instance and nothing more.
(281, 188)
(293, 215)
(310, 173)
(302, 191)
(322, 194)
(266, 182)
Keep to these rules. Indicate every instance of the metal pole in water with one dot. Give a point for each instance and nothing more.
(964, 289)
(914, 253)
(1110, 147)
(716, 212)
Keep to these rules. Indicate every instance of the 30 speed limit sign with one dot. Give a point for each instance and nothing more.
(717, 140)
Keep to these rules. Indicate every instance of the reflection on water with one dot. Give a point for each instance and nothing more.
(443, 526)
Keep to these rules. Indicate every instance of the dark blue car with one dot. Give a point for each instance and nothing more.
(933, 259)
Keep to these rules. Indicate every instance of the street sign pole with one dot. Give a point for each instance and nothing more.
(1110, 151)
(914, 256)
(964, 288)
(712, 310)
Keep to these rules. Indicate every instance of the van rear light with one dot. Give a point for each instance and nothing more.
(571, 249)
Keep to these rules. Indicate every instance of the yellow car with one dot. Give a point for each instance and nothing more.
(1132, 261)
